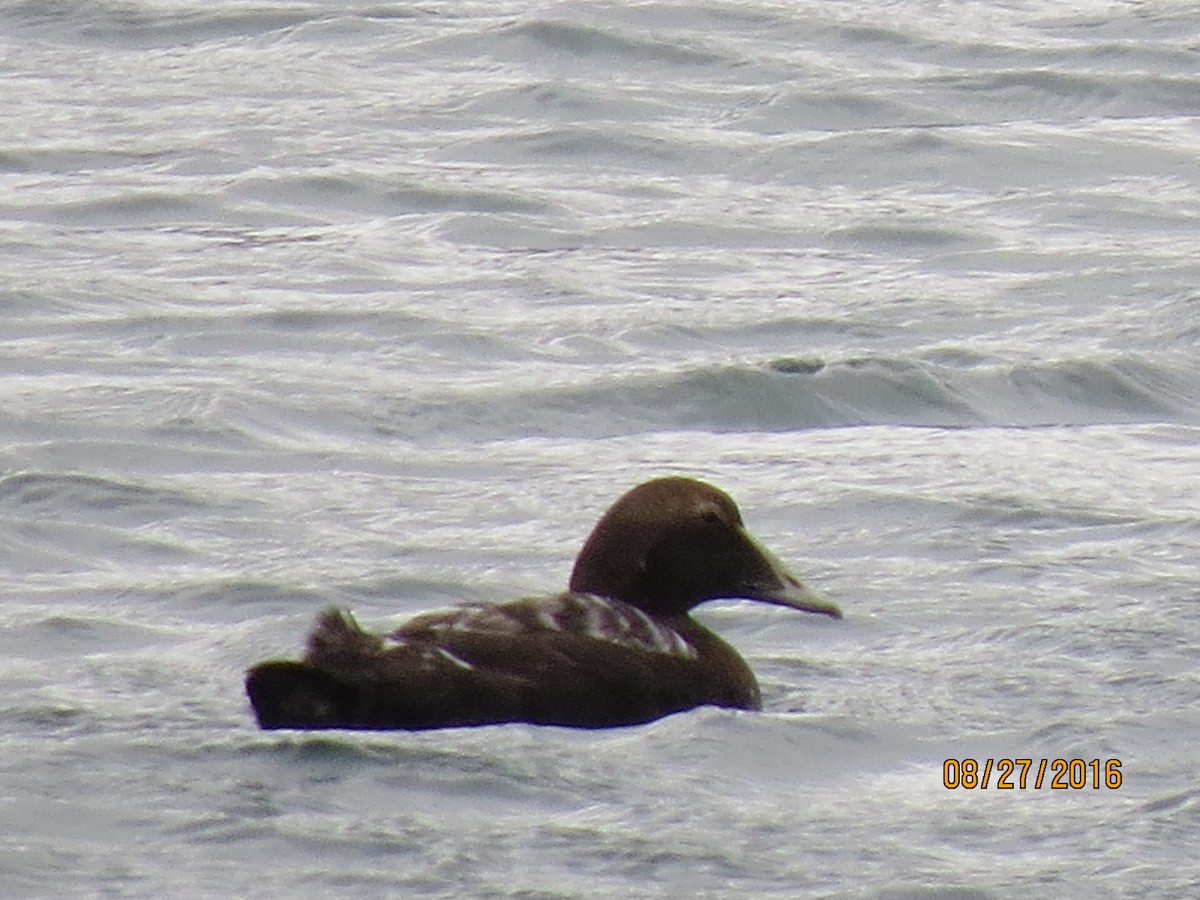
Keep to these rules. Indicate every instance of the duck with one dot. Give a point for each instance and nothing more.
(619, 647)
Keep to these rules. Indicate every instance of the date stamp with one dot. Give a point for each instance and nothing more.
(1024, 774)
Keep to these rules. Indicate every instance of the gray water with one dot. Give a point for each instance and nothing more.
(380, 305)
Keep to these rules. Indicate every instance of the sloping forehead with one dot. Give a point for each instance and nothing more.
(677, 499)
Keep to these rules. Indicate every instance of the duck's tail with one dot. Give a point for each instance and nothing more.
(310, 694)
(287, 694)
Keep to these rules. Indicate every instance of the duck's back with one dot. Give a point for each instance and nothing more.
(568, 659)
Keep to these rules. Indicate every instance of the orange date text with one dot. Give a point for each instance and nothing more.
(1024, 774)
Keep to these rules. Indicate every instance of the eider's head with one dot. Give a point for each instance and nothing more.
(672, 543)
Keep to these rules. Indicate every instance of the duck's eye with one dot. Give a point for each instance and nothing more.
(711, 517)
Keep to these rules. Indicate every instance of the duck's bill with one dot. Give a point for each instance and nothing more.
(795, 594)
(788, 590)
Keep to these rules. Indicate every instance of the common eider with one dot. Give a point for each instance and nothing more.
(618, 648)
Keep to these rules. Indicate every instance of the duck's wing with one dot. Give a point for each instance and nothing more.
(565, 660)
(581, 616)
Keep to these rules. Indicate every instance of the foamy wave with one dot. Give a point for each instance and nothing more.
(803, 393)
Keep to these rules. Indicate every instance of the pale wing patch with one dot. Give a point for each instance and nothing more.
(476, 617)
(619, 623)
(424, 653)
(454, 659)
(416, 641)
(598, 618)
(547, 619)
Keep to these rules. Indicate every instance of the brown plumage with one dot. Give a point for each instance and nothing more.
(617, 649)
